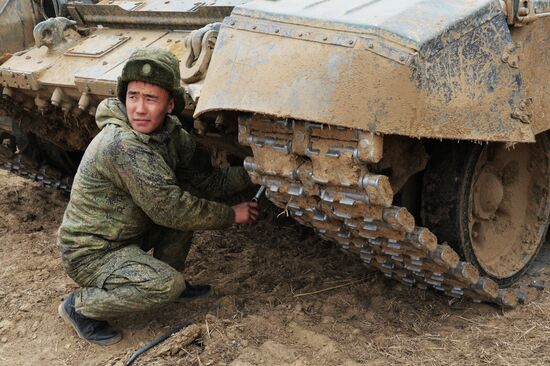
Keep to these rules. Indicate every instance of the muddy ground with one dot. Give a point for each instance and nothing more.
(273, 304)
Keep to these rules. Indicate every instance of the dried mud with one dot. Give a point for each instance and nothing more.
(267, 308)
(513, 234)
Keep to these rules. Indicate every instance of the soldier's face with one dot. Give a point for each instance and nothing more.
(147, 105)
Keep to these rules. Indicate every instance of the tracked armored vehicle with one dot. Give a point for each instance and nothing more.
(352, 114)
(18, 19)
(413, 133)
(17, 22)
(52, 89)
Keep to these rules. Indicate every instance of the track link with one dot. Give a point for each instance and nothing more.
(320, 175)
(39, 176)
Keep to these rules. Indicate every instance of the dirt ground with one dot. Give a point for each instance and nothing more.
(273, 304)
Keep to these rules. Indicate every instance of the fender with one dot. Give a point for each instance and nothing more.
(438, 68)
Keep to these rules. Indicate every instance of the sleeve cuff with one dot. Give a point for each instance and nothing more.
(229, 216)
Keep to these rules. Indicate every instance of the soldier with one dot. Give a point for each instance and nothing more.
(132, 193)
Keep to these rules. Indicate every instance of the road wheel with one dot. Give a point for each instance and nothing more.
(490, 203)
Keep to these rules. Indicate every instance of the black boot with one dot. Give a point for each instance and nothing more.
(193, 291)
(94, 331)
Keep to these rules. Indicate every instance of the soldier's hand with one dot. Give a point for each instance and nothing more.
(246, 212)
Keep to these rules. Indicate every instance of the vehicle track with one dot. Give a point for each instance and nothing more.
(319, 174)
(14, 163)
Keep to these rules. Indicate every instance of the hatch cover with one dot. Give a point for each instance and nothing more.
(126, 5)
(97, 46)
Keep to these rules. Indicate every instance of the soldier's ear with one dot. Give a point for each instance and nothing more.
(171, 105)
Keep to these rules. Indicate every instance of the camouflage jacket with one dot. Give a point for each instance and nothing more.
(128, 181)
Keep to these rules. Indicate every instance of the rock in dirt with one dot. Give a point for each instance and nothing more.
(328, 320)
(25, 307)
(6, 325)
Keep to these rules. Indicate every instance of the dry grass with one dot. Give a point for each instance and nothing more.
(471, 337)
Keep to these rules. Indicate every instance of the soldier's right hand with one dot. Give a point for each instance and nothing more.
(246, 212)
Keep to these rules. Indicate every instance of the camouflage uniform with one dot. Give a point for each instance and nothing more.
(132, 193)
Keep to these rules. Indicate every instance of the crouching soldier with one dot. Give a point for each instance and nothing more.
(132, 193)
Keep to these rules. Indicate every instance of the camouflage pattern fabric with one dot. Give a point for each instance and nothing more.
(132, 193)
(130, 280)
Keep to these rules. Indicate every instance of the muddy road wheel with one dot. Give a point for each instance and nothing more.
(490, 203)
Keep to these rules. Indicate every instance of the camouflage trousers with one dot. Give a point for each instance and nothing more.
(129, 280)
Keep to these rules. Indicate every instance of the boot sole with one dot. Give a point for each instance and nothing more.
(63, 314)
